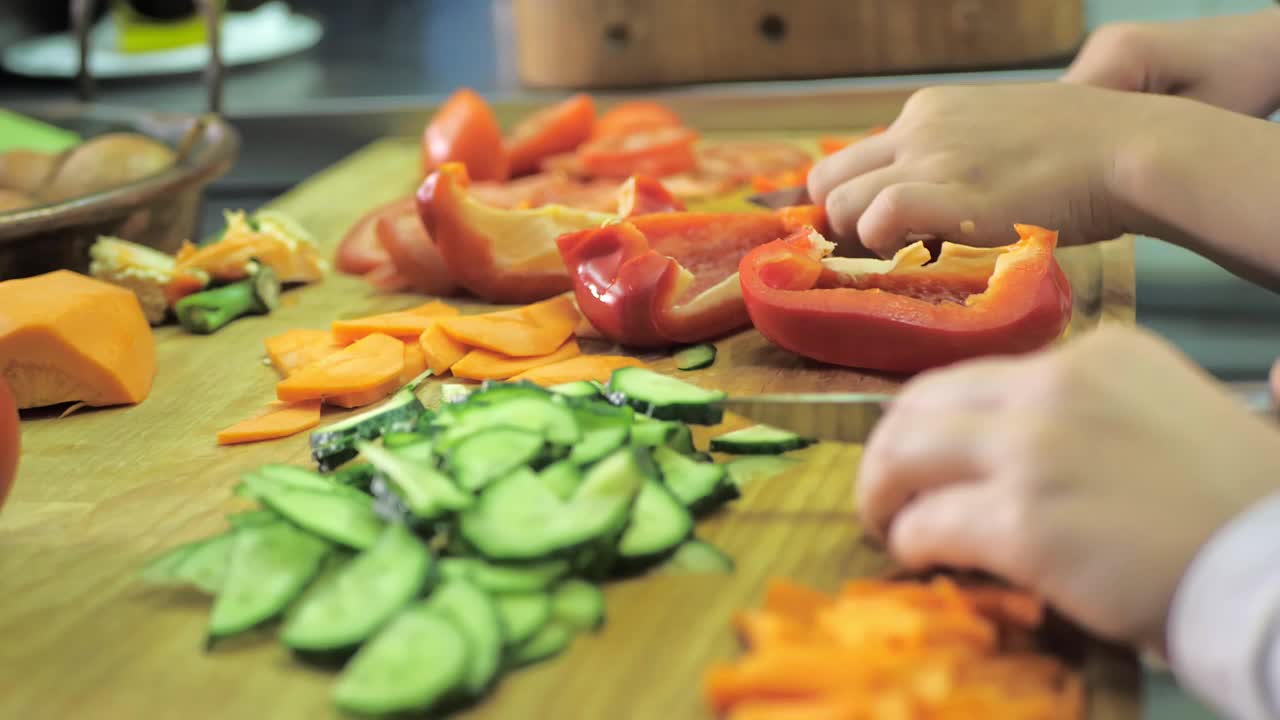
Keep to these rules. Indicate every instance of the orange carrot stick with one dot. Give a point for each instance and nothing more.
(485, 365)
(537, 329)
(281, 420)
(582, 367)
(440, 350)
(371, 362)
(403, 324)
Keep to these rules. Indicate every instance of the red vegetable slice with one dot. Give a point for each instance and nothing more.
(665, 151)
(464, 130)
(634, 116)
(555, 129)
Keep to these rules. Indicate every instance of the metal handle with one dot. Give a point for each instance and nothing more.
(82, 18)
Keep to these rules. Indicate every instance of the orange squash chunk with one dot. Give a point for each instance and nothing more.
(67, 337)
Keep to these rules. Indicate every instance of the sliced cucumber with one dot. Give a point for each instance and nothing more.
(659, 523)
(344, 519)
(700, 486)
(485, 455)
(759, 440)
(268, 567)
(422, 452)
(355, 475)
(562, 478)
(505, 578)
(746, 470)
(362, 595)
(579, 604)
(522, 615)
(476, 616)
(246, 518)
(400, 439)
(540, 415)
(518, 518)
(427, 492)
(202, 564)
(669, 433)
(496, 392)
(415, 661)
(584, 389)
(162, 569)
(666, 398)
(695, 357)
(335, 444)
(289, 477)
(697, 556)
(550, 640)
(604, 429)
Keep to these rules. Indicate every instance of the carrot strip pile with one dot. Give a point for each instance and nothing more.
(891, 649)
(362, 361)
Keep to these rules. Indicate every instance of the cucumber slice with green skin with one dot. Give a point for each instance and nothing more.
(475, 614)
(700, 486)
(417, 660)
(399, 439)
(348, 520)
(247, 518)
(355, 475)
(746, 470)
(422, 452)
(335, 444)
(665, 398)
(759, 440)
(205, 567)
(695, 357)
(659, 523)
(362, 595)
(605, 428)
(428, 493)
(658, 433)
(508, 578)
(578, 604)
(485, 455)
(584, 389)
(550, 640)
(697, 556)
(561, 478)
(518, 518)
(496, 392)
(276, 476)
(540, 415)
(522, 615)
(269, 566)
(162, 569)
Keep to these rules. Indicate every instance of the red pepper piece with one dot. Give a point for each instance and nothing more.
(641, 195)
(464, 130)
(500, 255)
(552, 130)
(664, 151)
(903, 315)
(668, 278)
(635, 116)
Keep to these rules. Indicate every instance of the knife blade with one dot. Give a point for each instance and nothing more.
(850, 417)
(786, 197)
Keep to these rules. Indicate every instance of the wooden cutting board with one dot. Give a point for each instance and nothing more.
(621, 43)
(101, 491)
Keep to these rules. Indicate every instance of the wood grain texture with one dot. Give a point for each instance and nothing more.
(101, 491)
(619, 43)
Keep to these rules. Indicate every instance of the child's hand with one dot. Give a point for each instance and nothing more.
(994, 155)
(1230, 61)
(1091, 473)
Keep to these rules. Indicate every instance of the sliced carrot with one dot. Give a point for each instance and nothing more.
(803, 709)
(404, 324)
(415, 362)
(440, 350)
(370, 362)
(364, 397)
(282, 419)
(487, 365)
(762, 630)
(791, 599)
(534, 330)
(295, 348)
(582, 367)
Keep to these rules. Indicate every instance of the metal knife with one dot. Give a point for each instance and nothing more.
(785, 197)
(850, 417)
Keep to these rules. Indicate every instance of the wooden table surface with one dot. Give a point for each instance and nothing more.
(101, 491)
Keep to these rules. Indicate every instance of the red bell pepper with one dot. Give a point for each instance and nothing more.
(669, 278)
(903, 315)
(464, 130)
(552, 130)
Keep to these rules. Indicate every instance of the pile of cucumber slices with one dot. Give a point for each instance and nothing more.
(434, 551)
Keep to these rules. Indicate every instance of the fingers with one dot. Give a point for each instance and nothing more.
(846, 203)
(943, 210)
(959, 526)
(853, 161)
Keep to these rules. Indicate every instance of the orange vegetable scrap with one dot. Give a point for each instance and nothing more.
(480, 364)
(280, 420)
(371, 363)
(403, 324)
(905, 650)
(583, 367)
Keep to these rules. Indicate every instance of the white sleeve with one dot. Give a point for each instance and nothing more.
(1224, 625)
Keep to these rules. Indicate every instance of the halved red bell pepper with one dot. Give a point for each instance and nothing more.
(669, 278)
(907, 314)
